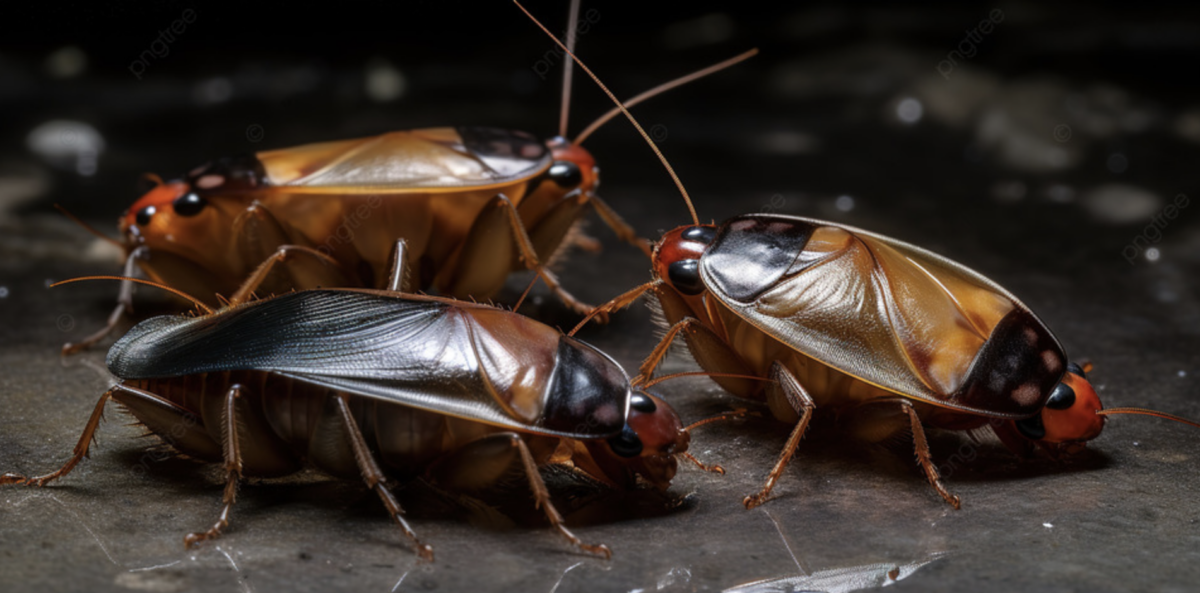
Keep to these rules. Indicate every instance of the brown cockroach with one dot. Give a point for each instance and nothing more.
(888, 336)
(374, 382)
(474, 204)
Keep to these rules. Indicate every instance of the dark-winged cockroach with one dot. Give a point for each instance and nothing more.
(888, 336)
(473, 204)
(374, 382)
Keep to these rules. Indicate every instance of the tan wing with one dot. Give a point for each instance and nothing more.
(433, 159)
(889, 313)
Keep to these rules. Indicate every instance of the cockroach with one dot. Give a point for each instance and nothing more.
(378, 382)
(474, 204)
(888, 336)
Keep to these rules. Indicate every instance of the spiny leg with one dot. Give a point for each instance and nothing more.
(397, 277)
(804, 405)
(280, 256)
(374, 478)
(530, 258)
(233, 467)
(542, 500)
(922, 447)
(124, 305)
(646, 370)
(619, 226)
(80, 451)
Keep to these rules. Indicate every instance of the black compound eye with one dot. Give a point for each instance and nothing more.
(1074, 367)
(1061, 398)
(1032, 427)
(144, 215)
(566, 174)
(685, 276)
(642, 403)
(702, 234)
(626, 444)
(189, 204)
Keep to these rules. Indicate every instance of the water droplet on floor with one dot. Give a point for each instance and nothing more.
(909, 110)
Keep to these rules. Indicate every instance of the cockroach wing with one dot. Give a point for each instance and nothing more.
(425, 160)
(464, 360)
(886, 312)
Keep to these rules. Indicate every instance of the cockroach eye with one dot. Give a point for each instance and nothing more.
(702, 234)
(642, 403)
(685, 276)
(189, 204)
(1074, 367)
(1032, 427)
(626, 444)
(566, 174)
(144, 215)
(1061, 398)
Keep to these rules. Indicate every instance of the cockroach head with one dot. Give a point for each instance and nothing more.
(647, 445)
(1069, 417)
(573, 167)
(677, 257)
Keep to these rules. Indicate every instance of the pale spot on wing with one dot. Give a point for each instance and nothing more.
(1027, 394)
(1051, 360)
(1031, 336)
(210, 181)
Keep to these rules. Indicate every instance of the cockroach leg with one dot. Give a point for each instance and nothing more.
(374, 478)
(281, 256)
(399, 274)
(646, 371)
(81, 449)
(618, 302)
(711, 352)
(124, 305)
(619, 226)
(492, 459)
(528, 255)
(557, 228)
(542, 500)
(714, 468)
(233, 467)
(804, 405)
(922, 447)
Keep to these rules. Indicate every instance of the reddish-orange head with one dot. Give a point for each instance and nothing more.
(152, 212)
(1069, 417)
(573, 165)
(677, 257)
(652, 437)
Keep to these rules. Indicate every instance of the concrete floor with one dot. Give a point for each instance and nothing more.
(988, 175)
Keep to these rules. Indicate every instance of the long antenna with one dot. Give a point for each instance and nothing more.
(610, 94)
(87, 227)
(1145, 412)
(195, 301)
(658, 90)
(572, 22)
